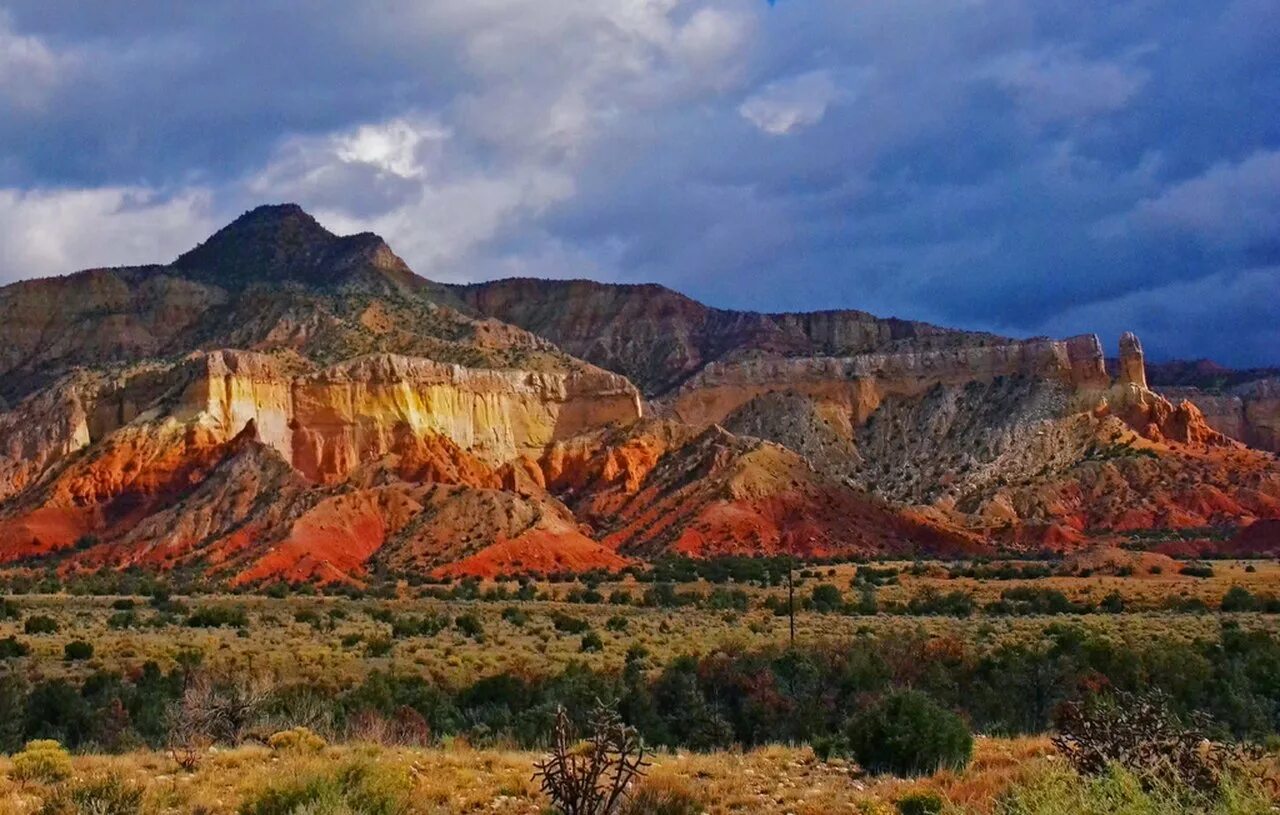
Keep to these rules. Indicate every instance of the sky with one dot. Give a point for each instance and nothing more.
(1029, 167)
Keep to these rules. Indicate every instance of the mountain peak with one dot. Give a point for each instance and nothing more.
(283, 242)
(279, 241)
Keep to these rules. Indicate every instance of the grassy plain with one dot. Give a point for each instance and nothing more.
(336, 642)
(339, 638)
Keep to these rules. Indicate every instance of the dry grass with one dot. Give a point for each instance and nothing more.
(460, 780)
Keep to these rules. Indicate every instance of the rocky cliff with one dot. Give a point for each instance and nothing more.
(284, 403)
(328, 422)
(658, 338)
(1249, 411)
(858, 384)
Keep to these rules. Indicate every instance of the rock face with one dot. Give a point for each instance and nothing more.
(1249, 411)
(860, 383)
(327, 423)
(658, 338)
(284, 403)
(1133, 365)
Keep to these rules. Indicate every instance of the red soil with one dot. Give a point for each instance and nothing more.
(540, 551)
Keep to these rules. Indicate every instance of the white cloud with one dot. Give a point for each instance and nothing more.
(791, 104)
(406, 180)
(1052, 84)
(56, 232)
(1230, 204)
(29, 69)
(391, 147)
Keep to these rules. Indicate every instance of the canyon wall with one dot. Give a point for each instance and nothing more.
(859, 383)
(327, 423)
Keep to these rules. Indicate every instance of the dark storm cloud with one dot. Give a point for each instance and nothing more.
(1025, 167)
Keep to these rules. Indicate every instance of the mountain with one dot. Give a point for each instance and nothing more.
(282, 403)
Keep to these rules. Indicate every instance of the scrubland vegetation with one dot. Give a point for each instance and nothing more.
(914, 688)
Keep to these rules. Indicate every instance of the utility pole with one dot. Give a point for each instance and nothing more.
(791, 590)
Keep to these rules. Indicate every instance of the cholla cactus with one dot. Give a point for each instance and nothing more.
(595, 776)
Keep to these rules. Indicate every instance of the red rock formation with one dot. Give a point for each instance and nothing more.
(284, 403)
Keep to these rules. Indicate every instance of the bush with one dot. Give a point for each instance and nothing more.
(218, 617)
(43, 760)
(77, 650)
(591, 642)
(106, 795)
(920, 803)
(567, 624)
(11, 647)
(1239, 598)
(469, 625)
(515, 616)
(427, 625)
(40, 624)
(297, 739)
(122, 619)
(906, 733)
(1141, 734)
(362, 788)
(617, 623)
(930, 601)
(826, 598)
(1113, 603)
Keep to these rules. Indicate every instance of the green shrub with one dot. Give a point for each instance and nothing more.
(826, 598)
(568, 624)
(469, 625)
(105, 795)
(363, 788)
(906, 733)
(1239, 598)
(428, 625)
(515, 616)
(1113, 603)
(929, 601)
(77, 650)
(218, 617)
(617, 623)
(43, 760)
(591, 642)
(40, 624)
(122, 619)
(11, 647)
